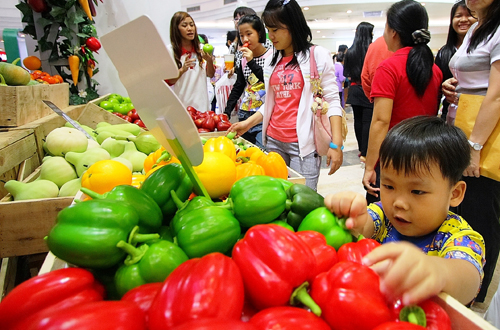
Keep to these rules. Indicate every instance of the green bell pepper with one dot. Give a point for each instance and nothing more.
(159, 184)
(301, 201)
(205, 230)
(282, 224)
(257, 199)
(86, 233)
(150, 215)
(147, 263)
(323, 221)
(186, 207)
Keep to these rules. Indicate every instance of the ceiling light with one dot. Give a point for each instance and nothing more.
(318, 31)
(349, 11)
(306, 8)
(323, 37)
(423, 3)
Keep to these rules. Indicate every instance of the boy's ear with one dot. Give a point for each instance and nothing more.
(457, 193)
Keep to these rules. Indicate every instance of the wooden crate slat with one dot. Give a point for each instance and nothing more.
(15, 147)
(24, 224)
(23, 104)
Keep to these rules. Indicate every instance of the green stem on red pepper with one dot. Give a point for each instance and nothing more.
(413, 314)
(300, 295)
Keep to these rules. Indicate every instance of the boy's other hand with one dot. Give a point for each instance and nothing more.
(406, 272)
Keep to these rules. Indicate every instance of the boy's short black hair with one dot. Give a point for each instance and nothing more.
(415, 143)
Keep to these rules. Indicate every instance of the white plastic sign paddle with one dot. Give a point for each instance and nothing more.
(143, 63)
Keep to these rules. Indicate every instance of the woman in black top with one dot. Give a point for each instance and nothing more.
(361, 106)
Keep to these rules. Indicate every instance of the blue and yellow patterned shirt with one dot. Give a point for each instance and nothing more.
(455, 239)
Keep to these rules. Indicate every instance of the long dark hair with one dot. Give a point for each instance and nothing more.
(256, 24)
(415, 143)
(176, 38)
(410, 20)
(448, 49)
(487, 28)
(355, 56)
(242, 11)
(289, 16)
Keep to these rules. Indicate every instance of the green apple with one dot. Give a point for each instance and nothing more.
(208, 48)
(127, 99)
(113, 101)
(106, 105)
(116, 96)
(121, 108)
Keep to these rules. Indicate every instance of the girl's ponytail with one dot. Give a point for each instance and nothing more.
(420, 62)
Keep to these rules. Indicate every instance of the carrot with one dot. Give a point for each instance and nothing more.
(86, 8)
(74, 66)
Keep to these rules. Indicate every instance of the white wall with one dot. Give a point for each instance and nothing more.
(113, 14)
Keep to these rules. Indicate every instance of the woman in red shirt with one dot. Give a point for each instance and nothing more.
(405, 85)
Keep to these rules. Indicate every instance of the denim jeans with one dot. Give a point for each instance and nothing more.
(308, 166)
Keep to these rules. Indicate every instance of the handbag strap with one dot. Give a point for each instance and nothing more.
(314, 69)
(314, 75)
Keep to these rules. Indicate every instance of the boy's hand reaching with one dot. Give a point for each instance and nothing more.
(406, 272)
(353, 206)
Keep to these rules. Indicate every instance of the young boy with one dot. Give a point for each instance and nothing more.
(422, 160)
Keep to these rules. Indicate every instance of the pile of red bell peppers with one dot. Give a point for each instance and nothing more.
(275, 279)
(151, 258)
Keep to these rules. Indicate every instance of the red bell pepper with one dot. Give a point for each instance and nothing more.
(102, 315)
(355, 251)
(207, 287)
(143, 295)
(60, 289)
(350, 298)
(324, 254)
(397, 325)
(287, 318)
(248, 311)
(428, 314)
(273, 262)
(215, 324)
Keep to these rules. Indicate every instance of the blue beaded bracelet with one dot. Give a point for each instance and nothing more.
(334, 146)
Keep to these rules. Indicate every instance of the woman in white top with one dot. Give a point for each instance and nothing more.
(476, 70)
(287, 116)
(194, 64)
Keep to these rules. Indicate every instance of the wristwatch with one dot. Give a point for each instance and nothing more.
(334, 146)
(475, 146)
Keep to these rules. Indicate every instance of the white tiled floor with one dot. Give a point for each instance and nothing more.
(349, 176)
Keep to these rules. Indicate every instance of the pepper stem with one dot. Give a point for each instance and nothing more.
(227, 204)
(134, 254)
(300, 295)
(92, 194)
(165, 156)
(413, 314)
(135, 237)
(288, 205)
(180, 205)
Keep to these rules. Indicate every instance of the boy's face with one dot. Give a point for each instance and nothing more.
(417, 204)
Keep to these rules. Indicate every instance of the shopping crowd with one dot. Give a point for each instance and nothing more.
(425, 187)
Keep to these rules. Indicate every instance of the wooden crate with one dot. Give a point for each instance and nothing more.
(23, 104)
(293, 176)
(18, 155)
(24, 224)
